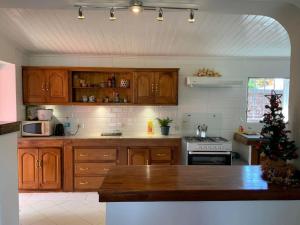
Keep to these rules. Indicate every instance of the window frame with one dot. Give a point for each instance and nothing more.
(259, 77)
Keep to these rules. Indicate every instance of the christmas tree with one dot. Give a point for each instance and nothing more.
(278, 146)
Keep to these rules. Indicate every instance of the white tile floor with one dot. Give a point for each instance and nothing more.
(61, 209)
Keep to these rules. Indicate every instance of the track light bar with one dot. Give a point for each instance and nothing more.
(136, 6)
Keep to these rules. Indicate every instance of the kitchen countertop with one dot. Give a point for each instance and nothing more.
(190, 183)
(9, 127)
(248, 139)
(98, 136)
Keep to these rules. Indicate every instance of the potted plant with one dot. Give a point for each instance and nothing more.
(277, 150)
(164, 125)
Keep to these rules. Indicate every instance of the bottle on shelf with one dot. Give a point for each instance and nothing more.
(109, 82)
(113, 81)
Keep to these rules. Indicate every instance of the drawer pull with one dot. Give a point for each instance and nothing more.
(161, 154)
(106, 169)
(106, 155)
(83, 183)
(83, 169)
(83, 155)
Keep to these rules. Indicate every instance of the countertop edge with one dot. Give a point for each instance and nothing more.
(201, 195)
(9, 127)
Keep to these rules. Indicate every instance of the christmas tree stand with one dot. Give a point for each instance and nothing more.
(278, 171)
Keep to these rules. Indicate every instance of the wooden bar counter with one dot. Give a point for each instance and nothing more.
(190, 183)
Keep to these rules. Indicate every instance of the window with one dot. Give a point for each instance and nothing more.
(258, 88)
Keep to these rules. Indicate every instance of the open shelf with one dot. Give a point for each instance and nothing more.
(88, 83)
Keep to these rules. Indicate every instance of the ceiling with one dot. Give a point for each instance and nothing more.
(56, 31)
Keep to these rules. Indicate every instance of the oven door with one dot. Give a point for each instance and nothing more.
(209, 158)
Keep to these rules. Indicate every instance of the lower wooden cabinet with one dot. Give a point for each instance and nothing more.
(39, 168)
(150, 156)
(81, 164)
(91, 165)
(138, 156)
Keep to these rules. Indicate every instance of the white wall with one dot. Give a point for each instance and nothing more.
(9, 205)
(231, 102)
(9, 214)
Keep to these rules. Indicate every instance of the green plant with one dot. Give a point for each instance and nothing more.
(164, 122)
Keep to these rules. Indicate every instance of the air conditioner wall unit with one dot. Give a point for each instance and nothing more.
(212, 82)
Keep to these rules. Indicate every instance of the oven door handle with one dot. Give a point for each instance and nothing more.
(209, 153)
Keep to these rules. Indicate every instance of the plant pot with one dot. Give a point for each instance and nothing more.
(165, 130)
(277, 171)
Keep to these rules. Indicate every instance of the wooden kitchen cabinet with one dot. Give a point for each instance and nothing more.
(39, 168)
(156, 87)
(91, 165)
(57, 86)
(144, 82)
(45, 86)
(28, 168)
(138, 156)
(150, 156)
(50, 168)
(166, 87)
(34, 89)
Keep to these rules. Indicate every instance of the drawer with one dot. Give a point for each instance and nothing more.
(161, 154)
(85, 154)
(88, 183)
(92, 168)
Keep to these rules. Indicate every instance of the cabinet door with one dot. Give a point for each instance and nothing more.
(34, 86)
(57, 86)
(50, 168)
(28, 168)
(144, 87)
(138, 156)
(166, 87)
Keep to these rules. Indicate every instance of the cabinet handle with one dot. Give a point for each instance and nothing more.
(147, 162)
(47, 86)
(105, 169)
(161, 154)
(83, 169)
(105, 155)
(37, 164)
(83, 155)
(83, 182)
(152, 88)
(43, 86)
(40, 163)
(157, 88)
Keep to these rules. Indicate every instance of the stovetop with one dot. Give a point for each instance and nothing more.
(191, 139)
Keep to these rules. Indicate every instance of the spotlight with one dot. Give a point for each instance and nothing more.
(112, 16)
(192, 16)
(160, 15)
(80, 13)
(136, 6)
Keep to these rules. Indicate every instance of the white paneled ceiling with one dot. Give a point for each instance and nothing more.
(59, 31)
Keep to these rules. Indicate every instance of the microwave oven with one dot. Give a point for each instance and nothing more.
(37, 128)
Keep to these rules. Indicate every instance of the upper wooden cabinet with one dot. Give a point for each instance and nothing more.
(73, 86)
(156, 87)
(144, 87)
(45, 86)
